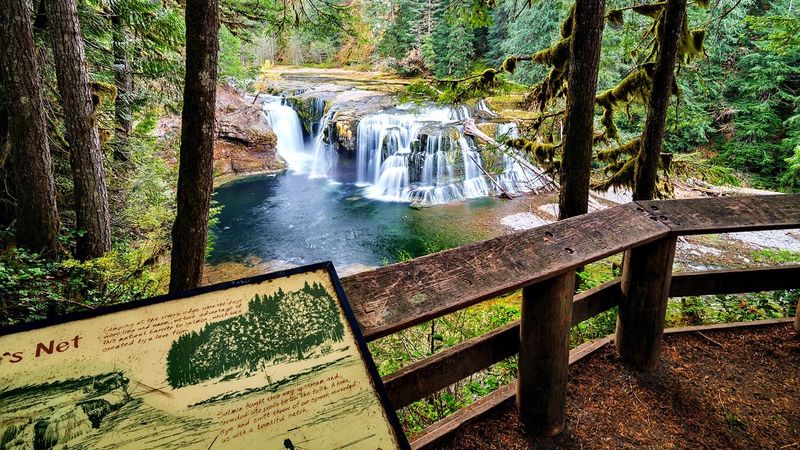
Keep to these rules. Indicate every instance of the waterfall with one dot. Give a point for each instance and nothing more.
(286, 124)
(419, 156)
(518, 175)
(325, 156)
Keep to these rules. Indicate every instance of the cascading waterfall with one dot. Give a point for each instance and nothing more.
(419, 156)
(286, 124)
(325, 156)
(407, 154)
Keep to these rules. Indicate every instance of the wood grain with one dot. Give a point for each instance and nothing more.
(544, 354)
(735, 281)
(422, 378)
(401, 295)
(645, 284)
(723, 214)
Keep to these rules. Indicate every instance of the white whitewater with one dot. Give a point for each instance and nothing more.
(286, 124)
(418, 155)
(518, 175)
(325, 156)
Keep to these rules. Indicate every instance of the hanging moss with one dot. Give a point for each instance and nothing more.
(653, 10)
(691, 43)
(544, 153)
(630, 148)
(103, 92)
(509, 64)
(623, 176)
(556, 55)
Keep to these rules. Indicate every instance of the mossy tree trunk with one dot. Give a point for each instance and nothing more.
(91, 197)
(37, 220)
(663, 79)
(195, 175)
(587, 34)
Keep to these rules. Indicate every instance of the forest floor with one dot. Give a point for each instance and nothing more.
(736, 389)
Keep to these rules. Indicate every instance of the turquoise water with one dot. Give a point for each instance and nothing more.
(298, 220)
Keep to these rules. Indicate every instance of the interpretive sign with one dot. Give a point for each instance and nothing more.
(271, 362)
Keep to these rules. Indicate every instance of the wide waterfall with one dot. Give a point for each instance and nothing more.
(286, 124)
(410, 153)
(419, 155)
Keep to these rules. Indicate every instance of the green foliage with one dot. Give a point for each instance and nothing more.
(285, 326)
(35, 287)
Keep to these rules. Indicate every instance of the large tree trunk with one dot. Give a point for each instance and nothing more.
(91, 198)
(587, 34)
(195, 175)
(36, 213)
(123, 80)
(663, 79)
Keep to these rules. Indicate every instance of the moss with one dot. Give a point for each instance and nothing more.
(509, 64)
(544, 153)
(630, 148)
(653, 10)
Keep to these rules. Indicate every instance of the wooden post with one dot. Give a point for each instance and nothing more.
(797, 318)
(646, 277)
(544, 354)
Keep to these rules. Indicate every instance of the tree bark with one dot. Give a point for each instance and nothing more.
(36, 213)
(91, 197)
(587, 34)
(663, 79)
(123, 80)
(195, 175)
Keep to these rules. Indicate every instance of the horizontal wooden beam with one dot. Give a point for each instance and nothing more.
(422, 378)
(444, 428)
(396, 297)
(436, 372)
(735, 281)
(727, 214)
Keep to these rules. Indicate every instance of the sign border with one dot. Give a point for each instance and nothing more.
(366, 356)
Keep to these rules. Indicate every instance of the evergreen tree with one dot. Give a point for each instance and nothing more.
(37, 219)
(400, 37)
(196, 171)
(72, 73)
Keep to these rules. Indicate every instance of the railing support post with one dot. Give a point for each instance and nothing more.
(646, 277)
(544, 354)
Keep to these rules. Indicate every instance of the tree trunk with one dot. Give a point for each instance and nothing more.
(195, 175)
(663, 79)
(36, 213)
(123, 80)
(587, 34)
(91, 198)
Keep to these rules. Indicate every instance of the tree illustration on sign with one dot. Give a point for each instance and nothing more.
(284, 326)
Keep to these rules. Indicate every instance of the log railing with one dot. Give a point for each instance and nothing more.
(542, 262)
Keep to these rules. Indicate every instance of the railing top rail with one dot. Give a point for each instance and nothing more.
(398, 296)
(395, 297)
(725, 214)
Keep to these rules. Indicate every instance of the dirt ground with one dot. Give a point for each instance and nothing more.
(735, 389)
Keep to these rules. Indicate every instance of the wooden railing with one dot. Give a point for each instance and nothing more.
(542, 262)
